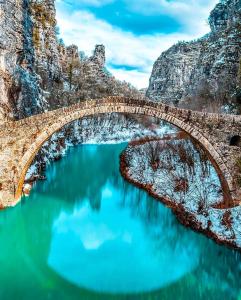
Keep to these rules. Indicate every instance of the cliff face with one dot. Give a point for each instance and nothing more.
(85, 78)
(37, 71)
(203, 74)
(29, 56)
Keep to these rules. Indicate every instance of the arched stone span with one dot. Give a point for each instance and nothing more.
(27, 136)
(48, 132)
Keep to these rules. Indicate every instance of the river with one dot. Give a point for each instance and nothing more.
(85, 233)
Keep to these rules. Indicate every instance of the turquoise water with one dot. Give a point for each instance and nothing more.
(85, 233)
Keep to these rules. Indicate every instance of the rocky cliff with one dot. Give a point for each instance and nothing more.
(203, 74)
(29, 56)
(37, 71)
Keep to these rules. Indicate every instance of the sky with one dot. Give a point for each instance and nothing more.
(134, 32)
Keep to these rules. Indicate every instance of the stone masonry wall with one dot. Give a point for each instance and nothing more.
(212, 131)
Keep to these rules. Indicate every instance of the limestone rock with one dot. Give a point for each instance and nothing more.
(38, 72)
(203, 74)
(98, 57)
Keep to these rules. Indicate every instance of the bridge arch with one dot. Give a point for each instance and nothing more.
(119, 105)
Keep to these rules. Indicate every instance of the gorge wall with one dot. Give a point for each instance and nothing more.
(38, 72)
(29, 55)
(203, 74)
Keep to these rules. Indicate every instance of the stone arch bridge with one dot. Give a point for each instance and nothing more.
(21, 140)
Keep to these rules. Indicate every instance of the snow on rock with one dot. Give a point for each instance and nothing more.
(203, 74)
(178, 171)
(103, 129)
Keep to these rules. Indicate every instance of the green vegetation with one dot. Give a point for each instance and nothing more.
(238, 163)
(238, 92)
(42, 15)
(44, 19)
(36, 37)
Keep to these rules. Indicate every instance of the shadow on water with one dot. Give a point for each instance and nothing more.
(85, 233)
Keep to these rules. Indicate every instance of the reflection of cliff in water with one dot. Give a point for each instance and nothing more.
(26, 231)
(91, 174)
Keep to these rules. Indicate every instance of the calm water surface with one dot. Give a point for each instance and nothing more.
(87, 234)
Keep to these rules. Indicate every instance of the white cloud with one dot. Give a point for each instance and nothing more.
(94, 3)
(192, 14)
(125, 48)
(174, 7)
(188, 12)
(137, 78)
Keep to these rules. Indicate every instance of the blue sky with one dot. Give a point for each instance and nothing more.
(135, 32)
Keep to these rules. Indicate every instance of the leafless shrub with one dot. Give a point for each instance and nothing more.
(183, 171)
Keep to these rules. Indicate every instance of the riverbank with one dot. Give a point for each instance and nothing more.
(222, 225)
(107, 129)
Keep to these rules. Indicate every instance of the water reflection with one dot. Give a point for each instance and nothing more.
(85, 229)
(116, 249)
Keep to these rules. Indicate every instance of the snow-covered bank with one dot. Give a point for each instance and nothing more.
(182, 177)
(102, 129)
